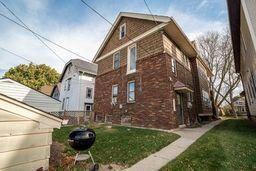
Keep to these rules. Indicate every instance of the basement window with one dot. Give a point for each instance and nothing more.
(122, 31)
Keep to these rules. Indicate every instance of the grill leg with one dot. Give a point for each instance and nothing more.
(91, 156)
(76, 157)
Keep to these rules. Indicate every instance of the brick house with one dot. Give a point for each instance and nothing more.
(149, 74)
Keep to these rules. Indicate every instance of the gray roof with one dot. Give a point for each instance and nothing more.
(88, 67)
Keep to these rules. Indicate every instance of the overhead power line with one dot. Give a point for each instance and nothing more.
(111, 23)
(49, 48)
(150, 11)
(43, 37)
(22, 57)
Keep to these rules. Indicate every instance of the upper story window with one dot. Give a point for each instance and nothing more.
(131, 59)
(67, 103)
(116, 60)
(67, 84)
(63, 104)
(131, 91)
(88, 93)
(114, 93)
(174, 66)
(122, 31)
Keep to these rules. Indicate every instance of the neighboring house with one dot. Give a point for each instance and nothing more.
(239, 105)
(28, 95)
(242, 18)
(56, 92)
(47, 89)
(77, 85)
(150, 74)
(25, 135)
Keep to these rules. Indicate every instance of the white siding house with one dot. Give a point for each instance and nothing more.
(77, 85)
(29, 96)
(25, 136)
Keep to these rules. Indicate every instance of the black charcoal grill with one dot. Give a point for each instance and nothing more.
(82, 139)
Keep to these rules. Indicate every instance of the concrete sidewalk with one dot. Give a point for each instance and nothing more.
(159, 159)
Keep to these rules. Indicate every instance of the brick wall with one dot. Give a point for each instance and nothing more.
(149, 46)
(153, 106)
(185, 76)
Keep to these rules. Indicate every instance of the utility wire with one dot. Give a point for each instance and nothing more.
(150, 11)
(111, 23)
(33, 33)
(22, 57)
(45, 38)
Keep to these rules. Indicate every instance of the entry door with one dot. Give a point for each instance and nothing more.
(180, 109)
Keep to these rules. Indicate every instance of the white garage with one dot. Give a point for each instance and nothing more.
(25, 135)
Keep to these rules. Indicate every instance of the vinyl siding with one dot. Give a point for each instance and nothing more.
(29, 96)
(25, 144)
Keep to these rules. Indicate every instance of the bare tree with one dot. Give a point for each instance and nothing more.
(216, 50)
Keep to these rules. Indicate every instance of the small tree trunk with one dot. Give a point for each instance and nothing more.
(214, 111)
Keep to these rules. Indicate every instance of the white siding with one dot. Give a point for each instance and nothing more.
(29, 96)
(248, 51)
(77, 92)
(25, 136)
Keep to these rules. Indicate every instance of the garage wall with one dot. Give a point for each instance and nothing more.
(24, 144)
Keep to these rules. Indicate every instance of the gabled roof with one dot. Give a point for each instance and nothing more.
(158, 18)
(47, 89)
(19, 108)
(168, 24)
(56, 86)
(88, 67)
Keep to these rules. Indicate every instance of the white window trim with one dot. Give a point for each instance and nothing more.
(120, 30)
(87, 88)
(89, 106)
(67, 103)
(128, 58)
(116, 85)
(174, 61)
(114, 59)
(129, 91)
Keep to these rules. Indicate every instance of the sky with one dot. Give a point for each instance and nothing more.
(73, 25)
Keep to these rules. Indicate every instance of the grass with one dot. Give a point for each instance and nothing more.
(229, 146)
(120, 145)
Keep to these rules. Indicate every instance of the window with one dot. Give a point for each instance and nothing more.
(114, 93)
(131, 91)
(132, 56)
(68, 82)
(116, 60)
(67, 103)
(88, 93)
(122, 31)
(174, 104)
(190, 97)
(174, 66)
(206, 98)
(63, 104)
(88, 107)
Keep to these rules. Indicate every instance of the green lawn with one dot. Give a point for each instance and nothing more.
(120, 145)
(229, 146)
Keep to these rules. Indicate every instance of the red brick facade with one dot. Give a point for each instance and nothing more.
(154, 83)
